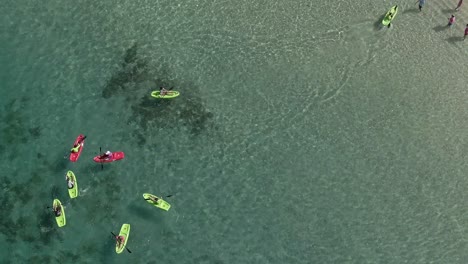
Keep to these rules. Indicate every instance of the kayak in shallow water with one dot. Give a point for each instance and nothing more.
(124, 233)
(390, 15)
(73, 192)
(61, 219)
(160, 202)
(168, 95)
(115, 156)
(75, 153)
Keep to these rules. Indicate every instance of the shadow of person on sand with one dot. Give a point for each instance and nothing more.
(448, 11)
(411, 11)
(454, 39)
(440, 28)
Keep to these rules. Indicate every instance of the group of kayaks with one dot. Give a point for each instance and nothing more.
(73, 191)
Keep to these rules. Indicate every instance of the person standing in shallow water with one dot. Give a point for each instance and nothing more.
(421, 4)
(451, 21)
(459, 5)
(466, 32)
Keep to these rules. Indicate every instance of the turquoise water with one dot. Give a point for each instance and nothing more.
(303, 133)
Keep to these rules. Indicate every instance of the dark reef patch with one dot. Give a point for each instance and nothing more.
(125, 79)
(13, 129)
(136, 79)
(35, 132)
(14, 132)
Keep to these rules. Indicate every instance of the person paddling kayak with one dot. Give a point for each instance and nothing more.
(120, 240)
(154, 199)
(163, 91)
(57, 211)
(107, 155)
(390, 15)
(70, 181)
(77, 146)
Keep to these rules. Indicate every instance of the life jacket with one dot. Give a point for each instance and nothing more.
(76, 149)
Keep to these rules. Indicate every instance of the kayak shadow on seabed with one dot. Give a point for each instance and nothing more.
(146, 212)
(378, 24)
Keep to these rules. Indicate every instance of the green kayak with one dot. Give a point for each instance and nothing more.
(124, 232)
(170, 94)
(73, 192)
(390, 15)
(61, 219)
(160, 203)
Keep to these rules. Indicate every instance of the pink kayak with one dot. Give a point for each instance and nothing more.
(115, 156)
(75, 155)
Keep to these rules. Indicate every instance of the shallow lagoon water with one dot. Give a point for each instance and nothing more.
(303, 133)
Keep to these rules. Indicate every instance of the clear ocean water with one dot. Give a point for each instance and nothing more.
(303, 133)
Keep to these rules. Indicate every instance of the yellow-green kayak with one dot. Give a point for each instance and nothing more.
(168, 95)
(160, 203)
(124, 232)
(73, 192)
(61, 219)
(390, 15)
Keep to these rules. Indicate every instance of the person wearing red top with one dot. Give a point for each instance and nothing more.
(120, 240)
(466, 32)
(451, 21)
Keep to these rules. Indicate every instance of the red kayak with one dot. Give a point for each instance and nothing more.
(75, 155)
(115, 156)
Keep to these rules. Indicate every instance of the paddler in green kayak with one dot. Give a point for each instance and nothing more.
(70, 181)
(57, 210)
(120, 240)
(163, 91)
(390, 17)
(154, 199)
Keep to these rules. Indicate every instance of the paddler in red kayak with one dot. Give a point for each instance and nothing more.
(77, 146)
(106, 156)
